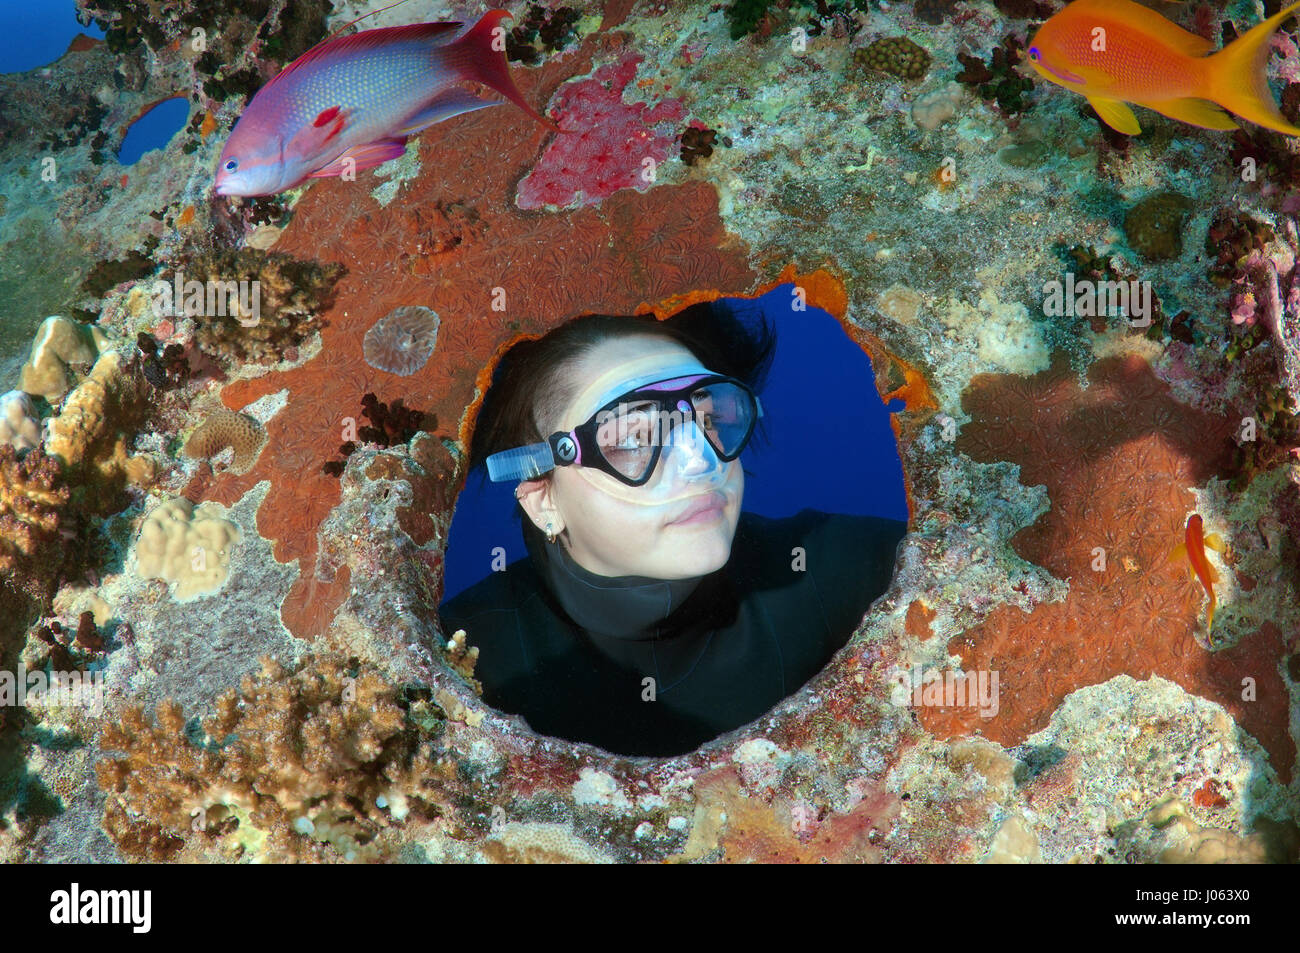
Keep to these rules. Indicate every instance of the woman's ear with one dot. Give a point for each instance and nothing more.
(536, 498)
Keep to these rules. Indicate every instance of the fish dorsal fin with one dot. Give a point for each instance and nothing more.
(366, 40)
(1149, 22)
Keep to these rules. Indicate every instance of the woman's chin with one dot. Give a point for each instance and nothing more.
(698, 553)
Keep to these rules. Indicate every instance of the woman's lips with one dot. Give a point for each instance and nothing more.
(706, 509)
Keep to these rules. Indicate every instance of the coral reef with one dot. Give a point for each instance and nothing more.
(1128, 425)
(190, 546)
(164, 371)
(1025, 9)
(243, 435)
(390, 426)
(760, 16)
(1154, 226)
(933, 12)
(550, 29)
(1019, 480)
(519, 842)
(33, 497)
(401, 341)
(60, 346)
(896, 55)
(698, 143)
(311, 764)
(91, 433)
(997, 81)
(660, 243)
(20, 427)
(283, 297)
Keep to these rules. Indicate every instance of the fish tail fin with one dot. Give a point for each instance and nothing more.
(480, 55)
(1236, 77)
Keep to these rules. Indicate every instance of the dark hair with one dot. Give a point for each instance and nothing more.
(533, 375)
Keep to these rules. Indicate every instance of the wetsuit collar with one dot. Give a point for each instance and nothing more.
(619, 607)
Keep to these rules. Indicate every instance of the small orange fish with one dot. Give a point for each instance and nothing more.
(1193, 546)
(1115, 52)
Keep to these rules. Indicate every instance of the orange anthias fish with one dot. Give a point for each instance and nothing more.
(1116, 52)
(1193, 545)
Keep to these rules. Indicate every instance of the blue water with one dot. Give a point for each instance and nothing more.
(37, 32)
(154, 129)
(829, 445)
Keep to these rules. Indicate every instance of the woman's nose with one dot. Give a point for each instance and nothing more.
(696, 456)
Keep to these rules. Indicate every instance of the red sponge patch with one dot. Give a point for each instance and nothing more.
(605, 143)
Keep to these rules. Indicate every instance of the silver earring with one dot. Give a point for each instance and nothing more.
(550, 532)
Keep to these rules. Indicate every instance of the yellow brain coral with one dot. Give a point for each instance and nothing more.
(226, 428)
(188, 546)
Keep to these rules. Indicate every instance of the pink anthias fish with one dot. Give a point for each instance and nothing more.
(349, 103)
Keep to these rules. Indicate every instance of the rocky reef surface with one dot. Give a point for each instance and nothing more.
(238, 529)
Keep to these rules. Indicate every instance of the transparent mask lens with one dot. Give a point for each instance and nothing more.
(725, 415)
(627, 434)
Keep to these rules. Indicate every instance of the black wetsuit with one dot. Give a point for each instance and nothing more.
(721, 649)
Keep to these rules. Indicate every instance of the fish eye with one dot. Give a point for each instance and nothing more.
(1033, 53)
(231, 165)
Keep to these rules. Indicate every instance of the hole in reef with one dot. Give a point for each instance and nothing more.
(817, 527)
(154, 129)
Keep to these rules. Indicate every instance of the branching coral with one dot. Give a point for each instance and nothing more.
(284, 296)
(33, 497)
(295, 760)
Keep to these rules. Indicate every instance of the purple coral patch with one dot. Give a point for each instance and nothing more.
(609, 142)
(401, 341)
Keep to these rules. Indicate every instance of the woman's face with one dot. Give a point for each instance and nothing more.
(613, 529)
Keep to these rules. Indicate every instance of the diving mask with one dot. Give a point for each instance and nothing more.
(666, 433)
